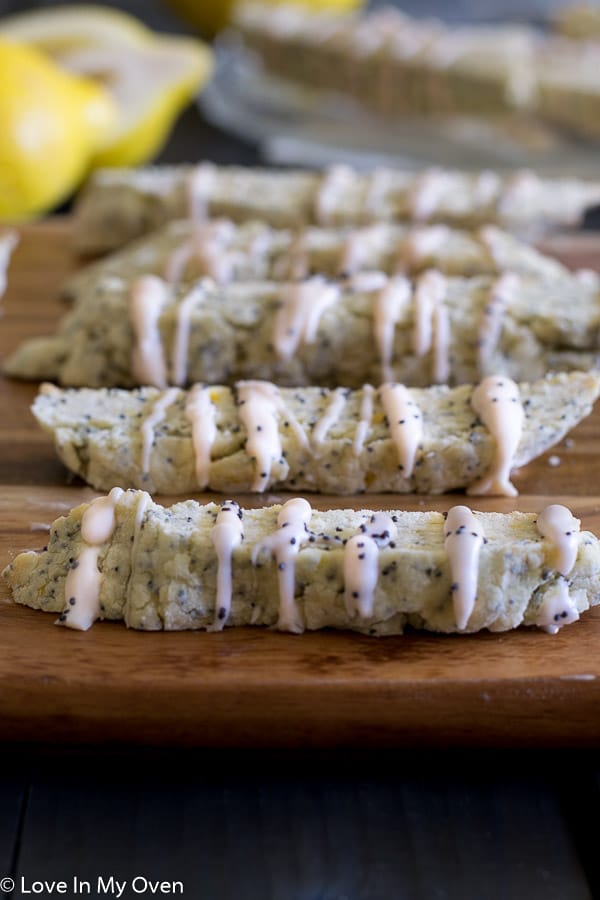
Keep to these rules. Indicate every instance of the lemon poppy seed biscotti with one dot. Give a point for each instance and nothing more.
(118, 205)
(191, 566)
(257, 437)
(185, 250)
(366, 329)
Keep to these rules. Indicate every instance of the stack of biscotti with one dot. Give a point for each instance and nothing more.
(118, 205)
(183, 251)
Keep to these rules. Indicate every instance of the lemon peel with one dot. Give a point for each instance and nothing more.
(51, 124)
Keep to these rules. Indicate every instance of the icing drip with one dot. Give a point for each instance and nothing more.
(200, 412)
(207, 247)
(560, 527)
(295, 265)
(432, 324)
(498, 404)
(518, 193)
(361, 564)
(284, 545)
(334, 184)
(421, 245)
(378, 187)
(200, 184)
(259, 402)
(298, 317)
(226, 534)
(426, 194)
(366, 415)
(501, 292)
(463, 540)
(155, 418)
(486, 188)
(82, 584)
(356, 248)
(332, 413)
(181, 338)
(557, 608)
(390, 302)
(406, 424)
(148, 296)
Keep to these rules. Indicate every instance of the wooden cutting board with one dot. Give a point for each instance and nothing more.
(251, 687)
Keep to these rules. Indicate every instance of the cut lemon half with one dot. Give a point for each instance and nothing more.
(150, 77)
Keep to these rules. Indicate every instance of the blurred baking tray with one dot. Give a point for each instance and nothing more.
(294, 125)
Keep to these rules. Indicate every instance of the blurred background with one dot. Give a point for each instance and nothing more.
(210, 96)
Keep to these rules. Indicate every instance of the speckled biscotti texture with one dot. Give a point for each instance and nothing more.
(118, 205)
(183, 251)
(100, 435)
(228, 333)
(158, 570)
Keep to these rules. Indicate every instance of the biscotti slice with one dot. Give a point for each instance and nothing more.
(256, 437)
(185, 251)
(118, 205)
(474, 70)
(366, 329)
(295, 568)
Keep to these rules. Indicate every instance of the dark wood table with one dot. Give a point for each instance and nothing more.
(341, 824)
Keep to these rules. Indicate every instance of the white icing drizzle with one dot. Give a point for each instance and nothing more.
(148, 296)
(200, 412)
(83, 581)
(356, 248)
(405, 422)
(284, 544)
(486, 187)
(336, 403)
(200, 184)
(490, 328)
(298, 317)
(426, 193)
(226, 534)
(295, 264)
(181, 338)
(518, 192)
(557, 608)
(361, 564)
(333, 184)
(259, 402)
(422, 244)
(463, 540)
(558, 525)
(150, 422)
(378, 186)
(207, 246)
(432, 325)
(497, 402)
(389, 304)
(366, 415)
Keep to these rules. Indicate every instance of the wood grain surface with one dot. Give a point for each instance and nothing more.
(249, 687)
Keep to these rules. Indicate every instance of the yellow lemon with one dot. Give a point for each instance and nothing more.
(51, 124)
(210, 16)
(150, 77)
